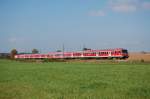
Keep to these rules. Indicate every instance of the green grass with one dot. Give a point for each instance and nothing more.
(62, 80)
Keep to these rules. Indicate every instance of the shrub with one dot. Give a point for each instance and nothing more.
(142, 60)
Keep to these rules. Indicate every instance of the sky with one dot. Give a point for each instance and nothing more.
(97, 24)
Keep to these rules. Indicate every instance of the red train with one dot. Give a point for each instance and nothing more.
(118, 53)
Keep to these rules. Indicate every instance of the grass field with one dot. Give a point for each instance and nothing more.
(62, 80)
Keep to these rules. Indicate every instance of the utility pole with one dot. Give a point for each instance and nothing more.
(84, 46)
(63, 49)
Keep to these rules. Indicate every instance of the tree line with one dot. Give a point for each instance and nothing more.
(14, 52)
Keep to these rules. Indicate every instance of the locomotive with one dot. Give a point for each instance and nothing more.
(118, 53)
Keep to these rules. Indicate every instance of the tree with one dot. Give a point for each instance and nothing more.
(13, 53)
(35, 51)
(143, 52)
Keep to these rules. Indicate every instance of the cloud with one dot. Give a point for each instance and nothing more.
(97, 13)
(121, 6)
(124, 5)
(16, 40)
(146, 5)
(124, 8)
(12, 40)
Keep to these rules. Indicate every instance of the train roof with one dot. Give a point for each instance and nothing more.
(90, 50)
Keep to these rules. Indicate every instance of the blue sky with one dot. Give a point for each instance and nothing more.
(97, 24)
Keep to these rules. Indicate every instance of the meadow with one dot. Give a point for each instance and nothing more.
(74, 80)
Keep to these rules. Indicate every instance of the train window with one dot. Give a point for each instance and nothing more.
(58, 54)
(85, 54)
(116, 52)
(77, 54)
(93, 54)
(124, 51)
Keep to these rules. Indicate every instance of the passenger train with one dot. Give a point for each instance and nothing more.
(118, 53)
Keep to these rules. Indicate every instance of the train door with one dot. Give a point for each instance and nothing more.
(109, 53)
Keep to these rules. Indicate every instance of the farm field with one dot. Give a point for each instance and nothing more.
(74, 80)
(137, 56)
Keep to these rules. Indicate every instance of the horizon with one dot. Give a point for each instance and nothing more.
(41, 52)
(97, 24)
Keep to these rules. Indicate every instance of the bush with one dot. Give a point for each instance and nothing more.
(142, 60)
(46, 60)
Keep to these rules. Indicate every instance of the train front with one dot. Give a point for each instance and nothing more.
(125, 53)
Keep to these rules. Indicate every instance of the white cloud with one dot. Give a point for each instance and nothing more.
(16, 40)
(124, 5)
(12, 40)
(97, 13)
(121, 6)
(146, 5)
(124, 8)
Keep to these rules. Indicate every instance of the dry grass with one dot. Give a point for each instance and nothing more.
(137, 56)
